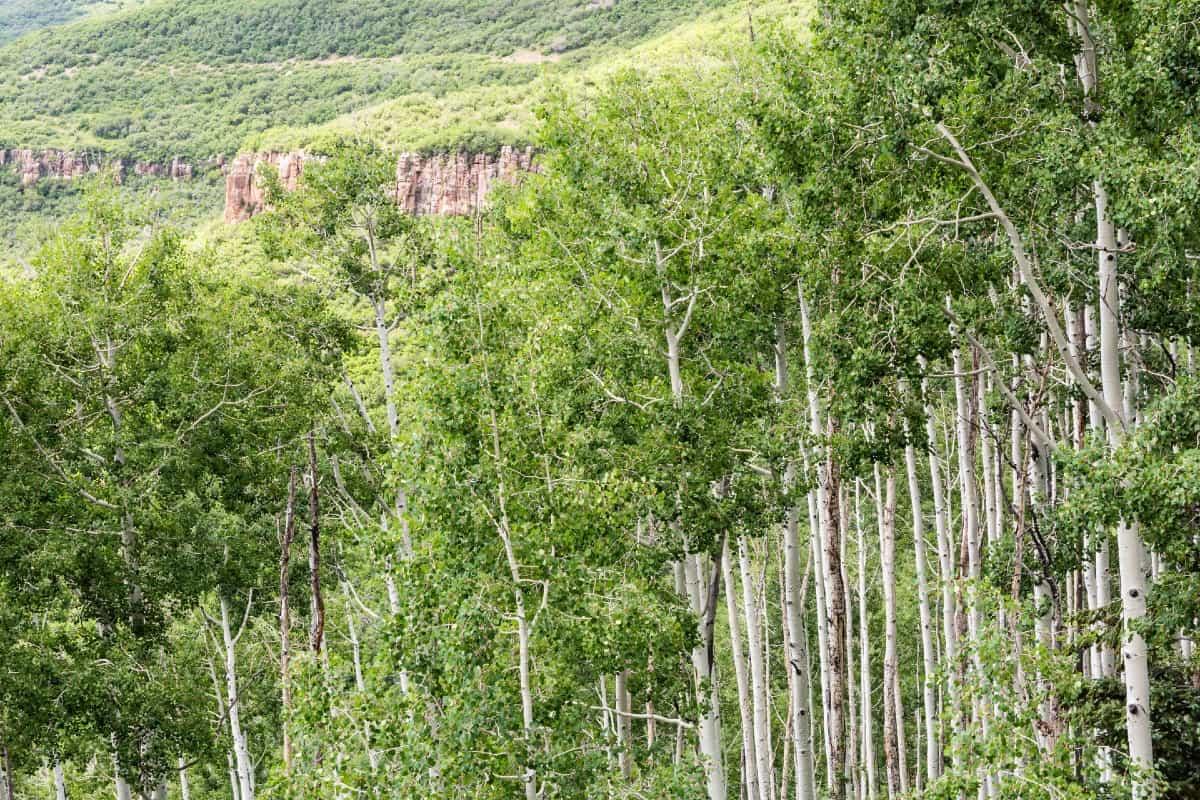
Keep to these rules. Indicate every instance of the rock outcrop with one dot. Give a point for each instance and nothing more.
(452, 184)
(447, 184)
(36, 165)
(245, 195)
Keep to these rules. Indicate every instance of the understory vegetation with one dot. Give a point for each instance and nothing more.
(821, 420)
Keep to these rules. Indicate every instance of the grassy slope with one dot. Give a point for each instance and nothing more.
(198, 77)
(488, 114)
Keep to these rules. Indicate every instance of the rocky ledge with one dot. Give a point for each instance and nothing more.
(35, 165)
(450, 184)
(447, 184)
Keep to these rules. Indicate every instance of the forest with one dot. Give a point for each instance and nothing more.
(820, 419)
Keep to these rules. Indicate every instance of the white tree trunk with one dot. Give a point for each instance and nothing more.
(1129, 540)
(822, 635)
(60, 781)
(864, 658)
(852, 672)
(941, 518)
(750, 773)
(697, 581)
(828, 518)
(933, 759)
(624, 725)
(236, 792)
(241, 750)
(185, 788)
(891, 704)
(760, 694)
(797, 637)
(123, 792)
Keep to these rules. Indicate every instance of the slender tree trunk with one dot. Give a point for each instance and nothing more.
(1106, 662)
(60, 781)
(887, 562)
(285, 620)
(9, 793)
(797, 635)
(928, 648)
(317, 631)
(1129, 540)
(852, 688)
(241, 750)
(864, 658)
(123, 792)
(624, 725)
(946, 572)
(829, 516)
(760, 694)
(701, 589)
(221, 714)
(703, 597)
(964, 393)
(185, 788)
(233, 777)
(360, 683)
(750, 773)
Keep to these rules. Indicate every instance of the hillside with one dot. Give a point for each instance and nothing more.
(194, 78)
(479, 117)
(21, 16)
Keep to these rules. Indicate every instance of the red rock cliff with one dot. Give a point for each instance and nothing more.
(442, 184)
(35, 165)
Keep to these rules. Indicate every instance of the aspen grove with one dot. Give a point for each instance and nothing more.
(820, 419)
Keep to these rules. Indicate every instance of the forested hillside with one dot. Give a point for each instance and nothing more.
(820, 419)
(199, 82)
(21, 16)
(195, 78)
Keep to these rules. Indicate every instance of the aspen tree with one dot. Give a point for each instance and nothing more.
(750, 770)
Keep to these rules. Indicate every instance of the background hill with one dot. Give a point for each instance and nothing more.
(201, 80)
(194, 78)
(21, 16)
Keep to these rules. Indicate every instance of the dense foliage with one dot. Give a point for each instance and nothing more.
(821, 419)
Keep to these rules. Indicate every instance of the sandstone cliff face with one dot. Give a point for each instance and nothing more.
(448, 184)
(455, 184)
(36, 165)
(245, 195)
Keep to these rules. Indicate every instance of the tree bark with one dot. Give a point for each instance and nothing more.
(703, 598)
(864, 658)
(60, 781)
(887, 562)
(797, 652)
(760, 694)
(624, 725)
(828, 517)
(185, 789)
(750, 773)
(285, 619)
(933, 760)
(317, 631)
(241, 750)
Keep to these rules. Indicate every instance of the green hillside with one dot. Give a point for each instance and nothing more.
(478, 116)
(21, 16)
(197, 77)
